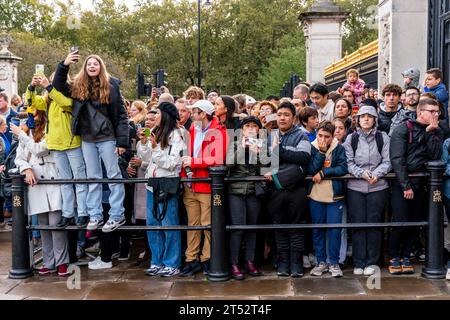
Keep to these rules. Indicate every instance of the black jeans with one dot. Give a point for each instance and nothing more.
(2, 217)
(403, 210)
(289, 207)
(364, 208)
(244, 210)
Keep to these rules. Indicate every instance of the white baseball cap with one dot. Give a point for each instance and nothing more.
(203, 105)
(250, 100)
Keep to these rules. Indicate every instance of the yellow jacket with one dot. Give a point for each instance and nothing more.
(59, 132)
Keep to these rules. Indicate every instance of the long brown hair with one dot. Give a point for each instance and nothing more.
(40, 120)
(84, 87)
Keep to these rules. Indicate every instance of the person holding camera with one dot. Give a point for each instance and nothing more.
(243, 197)
(100, 117)
(67, 147)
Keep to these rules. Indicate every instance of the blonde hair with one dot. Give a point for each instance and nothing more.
(352, 71)
(142, 108)
(84, 87)
(195, 93)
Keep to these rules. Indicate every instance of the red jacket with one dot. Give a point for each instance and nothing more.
(213, 153)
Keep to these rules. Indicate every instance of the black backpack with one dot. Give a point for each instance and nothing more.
(378, 139)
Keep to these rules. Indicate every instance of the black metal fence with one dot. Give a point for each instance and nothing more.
(219, 270)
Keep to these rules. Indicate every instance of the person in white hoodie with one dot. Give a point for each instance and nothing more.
(35, 161)
(163, 153)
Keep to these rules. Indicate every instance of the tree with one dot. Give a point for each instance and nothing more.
(289, 59)
(25, 15)
(361, 26)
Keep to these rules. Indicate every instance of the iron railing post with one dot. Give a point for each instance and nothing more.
(219, 270)
(20, 268)
(434, 263)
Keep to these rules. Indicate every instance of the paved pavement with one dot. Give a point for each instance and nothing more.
(126, 281)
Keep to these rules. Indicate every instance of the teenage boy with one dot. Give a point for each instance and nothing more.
(308, 119)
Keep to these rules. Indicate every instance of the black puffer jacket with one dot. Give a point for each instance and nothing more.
(94, 121)
(385, 118)
(412, 157)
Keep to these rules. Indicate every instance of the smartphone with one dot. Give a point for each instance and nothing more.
(254, 141)
(147, 132)
(158, 91)
(15, 121)
(39, 70)
(75, 49)
(271, 117)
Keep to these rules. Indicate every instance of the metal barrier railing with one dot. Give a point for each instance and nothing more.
(219, 271)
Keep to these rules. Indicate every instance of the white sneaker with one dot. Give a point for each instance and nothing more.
(98, 264)
(154, 270)
(448, 274)
(358, 271)
(319, 269)
(306, 262)
(169, 272)
(312, 259)
(94, 224)
(141, 255)
(336, 271)
(370, 270)
(112, 225)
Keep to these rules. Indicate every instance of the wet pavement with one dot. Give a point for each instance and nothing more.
(127, 281)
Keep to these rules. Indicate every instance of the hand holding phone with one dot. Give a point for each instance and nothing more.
(271, 117)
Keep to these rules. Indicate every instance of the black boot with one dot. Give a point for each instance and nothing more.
(64, 222)
(283, 264)
(296, 265)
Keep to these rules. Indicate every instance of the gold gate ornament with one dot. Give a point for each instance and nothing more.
(217, 200)
(437, 196)
(17, 201)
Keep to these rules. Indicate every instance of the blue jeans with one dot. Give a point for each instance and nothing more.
(94, 154)
(326, 213)
(70, 165)
(164, 245)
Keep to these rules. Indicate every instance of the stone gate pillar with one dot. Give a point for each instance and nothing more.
(8, 66)
(322, 27)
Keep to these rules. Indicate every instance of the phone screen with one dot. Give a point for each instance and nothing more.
(39, 69)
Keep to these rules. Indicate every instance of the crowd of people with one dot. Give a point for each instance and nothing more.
(84, 128)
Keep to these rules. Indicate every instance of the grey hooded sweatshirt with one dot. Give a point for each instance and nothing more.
(367, 157)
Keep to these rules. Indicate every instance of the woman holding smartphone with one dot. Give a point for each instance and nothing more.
(244, 204)
(100, 118)
(162, 152)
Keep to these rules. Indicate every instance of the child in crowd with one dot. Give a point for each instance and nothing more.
(309, 121)
(328, 160)
(433, 84)
(354, 84)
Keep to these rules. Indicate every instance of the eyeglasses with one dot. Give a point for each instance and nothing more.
(438, 112)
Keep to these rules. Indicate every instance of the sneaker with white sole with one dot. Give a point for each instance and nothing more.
(447, 276)
(319, 269)
(115, 255)
(154, 270)
(169, 272)
(312, 259)
(94, 224)
(98, 264)
(112, 225)
(336, 271)
(306, 262)
(358, 271)
(370, 270)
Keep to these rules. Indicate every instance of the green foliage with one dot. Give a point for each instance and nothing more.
(25, 15)
(249, 46)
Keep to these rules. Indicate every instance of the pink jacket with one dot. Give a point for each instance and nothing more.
(358, 89)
